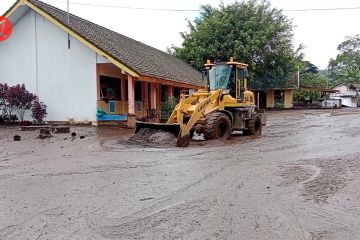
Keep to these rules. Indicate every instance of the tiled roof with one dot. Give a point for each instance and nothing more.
(139, 57)
(356, 86)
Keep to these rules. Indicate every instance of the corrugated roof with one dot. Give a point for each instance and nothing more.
(141, 58)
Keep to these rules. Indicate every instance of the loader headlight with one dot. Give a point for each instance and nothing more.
(226, 91)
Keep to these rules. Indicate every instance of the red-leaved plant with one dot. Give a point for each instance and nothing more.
(20, 99)
(39, 112)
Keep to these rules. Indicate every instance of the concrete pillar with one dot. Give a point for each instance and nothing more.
(270, 99)
(170, 91)
(131, 103)
(131, 95)
(288, 98)
(153, 95)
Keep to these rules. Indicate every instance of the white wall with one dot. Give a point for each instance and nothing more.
(17, 61)
(65, 79)
(347, 101)
(101, 59)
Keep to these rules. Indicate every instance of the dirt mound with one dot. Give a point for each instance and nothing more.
(153, 138)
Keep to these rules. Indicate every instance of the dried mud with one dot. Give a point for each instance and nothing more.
(299, 180)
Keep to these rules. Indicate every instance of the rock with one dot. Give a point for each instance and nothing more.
(17, 138)
(45, 133)
(60, 129)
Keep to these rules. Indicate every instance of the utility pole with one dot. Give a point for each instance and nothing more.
(68, 21)
(298, 77)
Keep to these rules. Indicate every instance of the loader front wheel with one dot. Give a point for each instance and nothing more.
(254, 127)
(217, 126)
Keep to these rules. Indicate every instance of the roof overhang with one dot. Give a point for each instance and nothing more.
(169, 82)
(96, 49)
(318, 88)
(272, 89)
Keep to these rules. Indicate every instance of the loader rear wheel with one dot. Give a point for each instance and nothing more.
(254, 126)
(217, 125)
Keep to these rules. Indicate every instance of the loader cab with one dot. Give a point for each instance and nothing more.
(231, 76)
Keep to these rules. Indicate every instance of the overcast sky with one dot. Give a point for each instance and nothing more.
(319, 31)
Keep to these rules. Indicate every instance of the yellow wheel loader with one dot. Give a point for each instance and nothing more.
(225, 105)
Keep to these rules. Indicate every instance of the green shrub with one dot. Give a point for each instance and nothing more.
(168, 107)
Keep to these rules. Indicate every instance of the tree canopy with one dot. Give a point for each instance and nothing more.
(346, 66)
(251, 31)
(310, 76)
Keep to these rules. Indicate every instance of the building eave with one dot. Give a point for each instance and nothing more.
(169, 82)
(93, 46)
(74, 34)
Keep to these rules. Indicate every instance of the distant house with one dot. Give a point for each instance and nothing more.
(85, 72)
(270, 93)
(348, 93)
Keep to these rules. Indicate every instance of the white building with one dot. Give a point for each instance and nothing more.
(85, 72)
(348, 93)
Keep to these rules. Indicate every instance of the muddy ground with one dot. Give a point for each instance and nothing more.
(299, 180)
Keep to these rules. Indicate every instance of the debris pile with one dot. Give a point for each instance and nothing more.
(45, 133)
(60, 129)
(153, 138)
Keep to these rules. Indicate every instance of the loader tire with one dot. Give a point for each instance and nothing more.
(254, 126)
(217, 125)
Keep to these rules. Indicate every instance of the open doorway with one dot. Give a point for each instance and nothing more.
(110, 88)
(262, 99)
(279, 98)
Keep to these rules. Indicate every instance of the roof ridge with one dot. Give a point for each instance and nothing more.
(83, 19)
(139, 57)
(108, 29)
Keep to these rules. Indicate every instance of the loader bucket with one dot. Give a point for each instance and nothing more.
(183, 141)
(172, 128)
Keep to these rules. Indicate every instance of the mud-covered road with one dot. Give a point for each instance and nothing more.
(299, 180)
